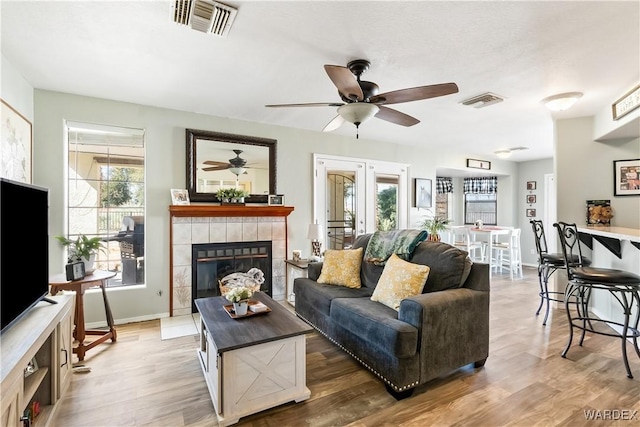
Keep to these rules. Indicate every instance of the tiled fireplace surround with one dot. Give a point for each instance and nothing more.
(193, 224)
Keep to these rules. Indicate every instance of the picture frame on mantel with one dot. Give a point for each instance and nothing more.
(179, 196)
(275, 200)
(626, 176)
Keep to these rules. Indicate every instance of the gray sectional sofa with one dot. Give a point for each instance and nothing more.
(444, 328)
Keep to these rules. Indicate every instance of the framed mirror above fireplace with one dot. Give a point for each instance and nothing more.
(218, 160)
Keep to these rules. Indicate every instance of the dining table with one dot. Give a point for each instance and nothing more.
(489, 235)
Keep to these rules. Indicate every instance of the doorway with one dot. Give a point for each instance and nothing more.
(358, 196)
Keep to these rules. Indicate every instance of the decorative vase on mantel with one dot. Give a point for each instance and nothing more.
(240, 308)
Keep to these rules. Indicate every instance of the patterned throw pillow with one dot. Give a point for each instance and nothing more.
(341, 267)
(400, 279)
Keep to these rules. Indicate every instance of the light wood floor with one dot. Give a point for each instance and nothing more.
(143, 381)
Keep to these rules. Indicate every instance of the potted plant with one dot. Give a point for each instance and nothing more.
(82, 249)
(231, 195)
(239, 296)
(435, 226)
(238, 195)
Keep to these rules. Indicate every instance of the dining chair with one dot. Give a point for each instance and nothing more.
(460, 237)
(509, 254)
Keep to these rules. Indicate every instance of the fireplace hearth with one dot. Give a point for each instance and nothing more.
(211, 262)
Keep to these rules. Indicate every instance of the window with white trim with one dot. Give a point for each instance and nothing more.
(106, 196)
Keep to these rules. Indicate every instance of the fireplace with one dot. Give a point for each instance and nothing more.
(213, 261)
(197, 224)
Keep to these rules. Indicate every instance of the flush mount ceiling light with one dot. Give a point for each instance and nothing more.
(506, 153)
(562, 101)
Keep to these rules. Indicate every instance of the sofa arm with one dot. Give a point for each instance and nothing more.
(453, 328)
(313, 270)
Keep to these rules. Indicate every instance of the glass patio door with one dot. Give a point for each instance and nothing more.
(354, 197)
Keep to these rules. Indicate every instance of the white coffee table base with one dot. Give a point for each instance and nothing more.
(254, 378)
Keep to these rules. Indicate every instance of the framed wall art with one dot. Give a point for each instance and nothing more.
(626, 175)
(531, 185)
(531, 213)
(15, 144)
(479, 164)
(531, 198)
(422, 193)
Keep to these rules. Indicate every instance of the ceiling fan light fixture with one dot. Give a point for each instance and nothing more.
(358, 112)
(237, 170)
(562, 101)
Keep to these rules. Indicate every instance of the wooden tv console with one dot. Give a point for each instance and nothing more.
(44, 333)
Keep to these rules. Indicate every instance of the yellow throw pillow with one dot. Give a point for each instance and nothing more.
(341, 267)
(400, 279)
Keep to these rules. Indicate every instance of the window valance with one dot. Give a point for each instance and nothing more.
(488, 185)
(444, 185)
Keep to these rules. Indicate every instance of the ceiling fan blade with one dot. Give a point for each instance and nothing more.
(345, 81)
(216, 168)
(415, 93)
(395, 116)
(214, 162)
(311, 104)
(334, 124)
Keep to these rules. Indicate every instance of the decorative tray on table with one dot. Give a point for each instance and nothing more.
(229, 309)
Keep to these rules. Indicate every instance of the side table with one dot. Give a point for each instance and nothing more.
(295, 269)
(59, 283)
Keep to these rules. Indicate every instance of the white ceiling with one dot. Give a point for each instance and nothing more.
(524, 51)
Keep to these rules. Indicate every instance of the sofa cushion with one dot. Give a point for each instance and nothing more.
(370, 273)
(377, 324)
(319, 297)
(450, 266)
(400, 279)
(341, 268)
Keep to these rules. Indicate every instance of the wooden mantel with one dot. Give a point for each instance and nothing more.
(206, 210)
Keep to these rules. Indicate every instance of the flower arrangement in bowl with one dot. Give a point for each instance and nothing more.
(239, 296)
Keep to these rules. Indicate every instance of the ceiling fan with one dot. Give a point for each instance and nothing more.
(361, 100)
(236, 164)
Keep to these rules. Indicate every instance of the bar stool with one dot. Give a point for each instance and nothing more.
(622, 285)
(548, 263)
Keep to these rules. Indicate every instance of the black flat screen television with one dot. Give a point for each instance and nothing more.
(24, 249)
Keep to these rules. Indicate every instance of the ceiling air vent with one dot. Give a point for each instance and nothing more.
(483, 100)
(205, 16)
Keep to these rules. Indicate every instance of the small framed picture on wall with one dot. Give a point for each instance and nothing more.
(531, 185)
(422, 193)
(531, 198)
(531, 213)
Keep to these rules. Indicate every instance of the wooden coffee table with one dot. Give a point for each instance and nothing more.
(253, 363)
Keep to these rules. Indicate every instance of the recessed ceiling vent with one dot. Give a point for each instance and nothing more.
(205, 16)
(483, 100)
